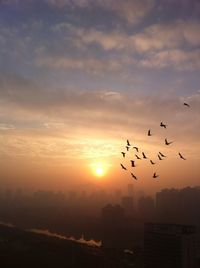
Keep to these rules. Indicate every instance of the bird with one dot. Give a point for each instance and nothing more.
(149, 132)
(163, 125)
(132, 163)
(128, 143)
(152, 162)
(159, 157)
(136, 148)
(133, 176)
(155, 176)
(162, 154)
(123, 154)
(181, 156)
(186, 104)
(127, 148)
(137, 156)
(123, 167)
(144, 156)
(168, 143)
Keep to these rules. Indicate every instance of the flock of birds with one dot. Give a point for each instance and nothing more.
(160, 155)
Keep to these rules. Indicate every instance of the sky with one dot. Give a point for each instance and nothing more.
(80, 77)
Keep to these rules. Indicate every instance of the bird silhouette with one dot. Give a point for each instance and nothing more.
(136, 148)
(137, 156)
(155, 176)
(153, 163)
(123, 154)
(159, 157)
(167, 142)
(163, 125)
(128, 143)
(127, 148)
(123, 167)
(181, 156)
(133, 176)
(186, 104)
(149, 132)
(162, 154)
(132, 163)
(144, 156)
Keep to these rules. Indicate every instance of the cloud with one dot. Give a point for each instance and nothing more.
(191, 32)
(108, 41)
(71, 3)
(93, 66)
(112, 95)
(131, 11)
(57, 109)
(170, 36)
(61, 124)
(178, 59)
(98, 51)
(6, 126)
(16, 2)
(54, 125)
(155, 37)
(157, 46)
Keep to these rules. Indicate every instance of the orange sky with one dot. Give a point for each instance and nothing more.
(79, 78)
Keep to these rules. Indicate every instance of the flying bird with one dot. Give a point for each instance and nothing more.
(155, 176)
(186, 104)
(136, 148)
(127, 148)
(149, 132)
(132, 163)
(181, 156)
(128, 143)
(123, 154)
(163, 125)
(162, 154)
(123, 167)
(153, 163)
(133, 176)
(137, 156)
(159, 157)
(144, 156)
(167, 142)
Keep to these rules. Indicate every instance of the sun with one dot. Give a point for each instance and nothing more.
(99, 169)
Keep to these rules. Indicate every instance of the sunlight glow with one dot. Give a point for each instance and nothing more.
(99, 169)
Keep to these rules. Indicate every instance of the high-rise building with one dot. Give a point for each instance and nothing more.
(178, 205)
(169, 246)
(112, 214)
(146, 207)
(127, 204)
(130, 189)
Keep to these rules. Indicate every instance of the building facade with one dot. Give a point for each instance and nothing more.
(169, 246)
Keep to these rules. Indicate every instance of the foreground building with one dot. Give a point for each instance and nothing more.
(169, 246)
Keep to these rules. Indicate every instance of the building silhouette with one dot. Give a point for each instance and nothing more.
(169, 246)
(127, 204)
(130, 189)
(146, 208)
